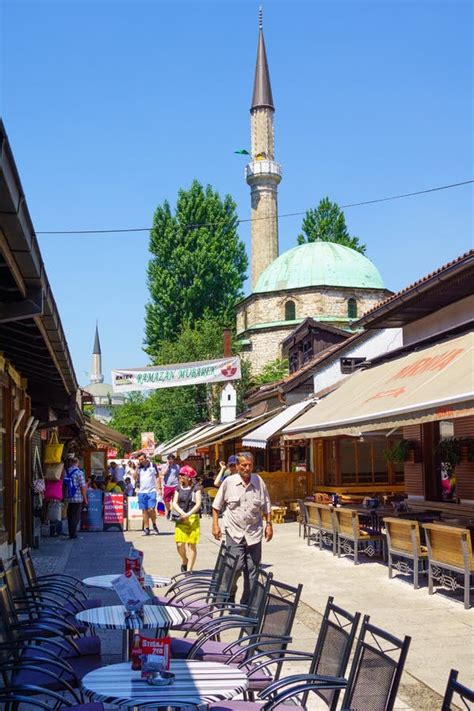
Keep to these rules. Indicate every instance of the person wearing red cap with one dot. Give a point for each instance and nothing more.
(185, 505)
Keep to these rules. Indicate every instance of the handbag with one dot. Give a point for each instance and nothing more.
(53, 472)
(53, 450)
(53, 490)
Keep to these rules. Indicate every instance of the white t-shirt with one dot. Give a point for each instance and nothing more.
(146, 479)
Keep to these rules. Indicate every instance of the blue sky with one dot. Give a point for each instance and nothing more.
(111, 107)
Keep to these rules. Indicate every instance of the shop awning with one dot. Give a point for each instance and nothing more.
(238, 428)
(428, 384)
(99, 433)
(260, 436)
(170, 446)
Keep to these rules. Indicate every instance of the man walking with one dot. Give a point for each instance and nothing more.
(75, 495)
(148, 485)
(247, 504)
(170, 474)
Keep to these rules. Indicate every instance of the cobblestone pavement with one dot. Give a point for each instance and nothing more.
(393, 605)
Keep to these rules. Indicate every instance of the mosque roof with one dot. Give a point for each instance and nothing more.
(102, 390)
(319, 264)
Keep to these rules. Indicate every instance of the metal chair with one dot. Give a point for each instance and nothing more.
(403, 542)
(455, 689)
(352, 538)
(329, 658)
(302, 518)
(12, 698)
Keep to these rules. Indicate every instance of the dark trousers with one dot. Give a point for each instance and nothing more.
(73, 518)
(248, 559)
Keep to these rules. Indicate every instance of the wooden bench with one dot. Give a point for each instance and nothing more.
(351, 537)
(449, 549)
(326, 526)
(403, 541)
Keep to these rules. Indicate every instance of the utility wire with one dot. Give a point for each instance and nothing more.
(254, 219)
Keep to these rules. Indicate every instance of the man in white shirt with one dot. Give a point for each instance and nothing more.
(148, 486)
(247, 505)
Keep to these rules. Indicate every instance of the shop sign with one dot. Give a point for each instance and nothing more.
(133, 512)
(113, 509)
(172, 376)
(147, 442)
(112, 453)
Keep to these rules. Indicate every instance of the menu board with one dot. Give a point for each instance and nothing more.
(128, 588)
(113, 510)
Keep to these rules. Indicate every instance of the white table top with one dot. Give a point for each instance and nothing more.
(106, 581)
(195, 683)
(155, 616)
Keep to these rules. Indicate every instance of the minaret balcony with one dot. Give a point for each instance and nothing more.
(263, 168)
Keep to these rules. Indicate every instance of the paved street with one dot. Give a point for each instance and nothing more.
(441, 630)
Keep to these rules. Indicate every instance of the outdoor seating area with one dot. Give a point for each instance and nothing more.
(223, 655)
(410, 543)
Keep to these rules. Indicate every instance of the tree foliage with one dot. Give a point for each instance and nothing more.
(198, 265)
(327, 222)
(274, 370)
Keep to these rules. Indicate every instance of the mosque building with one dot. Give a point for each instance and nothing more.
(328, 282)
(103, 397)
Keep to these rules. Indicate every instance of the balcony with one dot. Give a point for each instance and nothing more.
(263, 167)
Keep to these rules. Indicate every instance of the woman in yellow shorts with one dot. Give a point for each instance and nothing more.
(185, 505)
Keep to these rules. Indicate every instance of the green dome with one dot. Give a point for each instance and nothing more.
(319, 264)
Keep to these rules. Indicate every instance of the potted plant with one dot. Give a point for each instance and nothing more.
(449, 452)
(398, 453)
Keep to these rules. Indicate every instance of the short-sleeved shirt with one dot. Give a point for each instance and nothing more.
(146, 479)
(244, 506)
(170, 473)
(79, 480)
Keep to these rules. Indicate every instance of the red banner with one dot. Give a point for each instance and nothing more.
(113, 508)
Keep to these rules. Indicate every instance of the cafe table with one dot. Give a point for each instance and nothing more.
(159, 618)
(105, 582)
(194, 683)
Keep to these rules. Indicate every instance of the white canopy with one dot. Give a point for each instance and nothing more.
(259, 437)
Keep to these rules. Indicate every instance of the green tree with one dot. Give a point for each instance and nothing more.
(328, 223)
(198, 265)
(274, 370)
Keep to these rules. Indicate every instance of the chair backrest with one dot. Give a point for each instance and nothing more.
(311, 513)
(455, 688)
(14, 579)
(376, 670)
(225, 580)
(403, 535)
(347, 521)
(279, 612)
(258, 594)
(449, 545)
(303, 511)
(8, 618)
(28, 567)
(333, 647)
(326, 516)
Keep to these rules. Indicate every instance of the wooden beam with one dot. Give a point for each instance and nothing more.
(30, 306)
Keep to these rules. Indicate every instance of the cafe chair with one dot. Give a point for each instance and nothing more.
(43, 652)
(450, 559)
(272, 631)
(183, 581)
(457, 693)
(330, 657)
(12, 698)
(302, 518)
(68, 582)
(404, 544)
(372, 684)
(326, 526)
(352, 537)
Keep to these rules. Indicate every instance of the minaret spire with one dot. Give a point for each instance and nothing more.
(96, 371)
(263, 173)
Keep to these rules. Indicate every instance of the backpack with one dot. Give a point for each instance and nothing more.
(68, 482)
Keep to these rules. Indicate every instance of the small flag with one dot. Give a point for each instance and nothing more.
(242, 152)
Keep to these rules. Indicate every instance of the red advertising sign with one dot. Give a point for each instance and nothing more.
(113, 509)
(112, 453)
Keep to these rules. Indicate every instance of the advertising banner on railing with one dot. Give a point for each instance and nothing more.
(172, 376)
(92, 518)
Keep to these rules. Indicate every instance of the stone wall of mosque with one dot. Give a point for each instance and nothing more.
(315, 302)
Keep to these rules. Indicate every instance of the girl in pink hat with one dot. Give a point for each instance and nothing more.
(185, 505)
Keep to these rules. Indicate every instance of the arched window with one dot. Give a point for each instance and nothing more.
(290, 311)
(352, 308)
(246, 320)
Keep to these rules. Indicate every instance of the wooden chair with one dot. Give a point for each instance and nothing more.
(326, 525)
(403, 541)
(312, 523)
(302, 518)
(463, 693)
(449, 551)
(352, 537)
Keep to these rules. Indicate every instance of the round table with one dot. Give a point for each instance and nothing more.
(106, 581)
(195, 683)
(159, 618)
